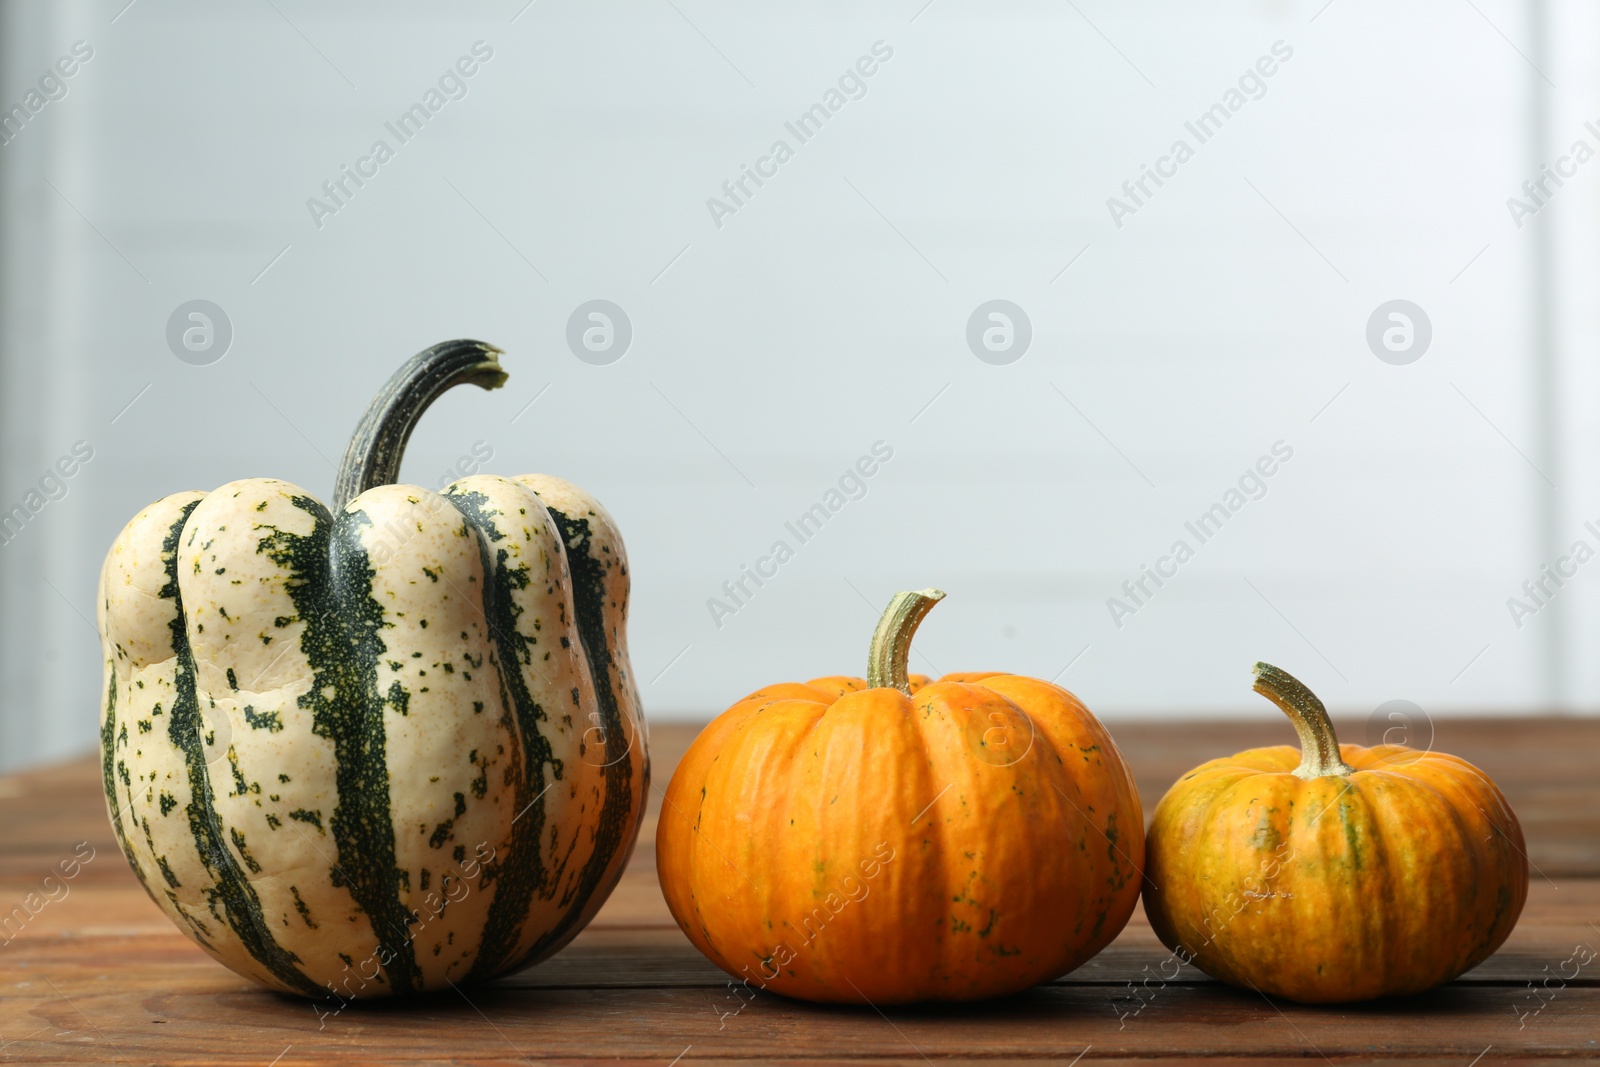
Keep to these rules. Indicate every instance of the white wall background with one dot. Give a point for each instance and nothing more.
(830, 312)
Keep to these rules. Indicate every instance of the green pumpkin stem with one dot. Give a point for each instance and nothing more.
(373, 457)
(891, 641)
(1319, 746)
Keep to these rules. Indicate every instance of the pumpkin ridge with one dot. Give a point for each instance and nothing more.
(938, 701)
(1474, 879)
(783, 751)
(1207, 818)
(682, 814)
(241, 907)
(108, 733)
(589, 589)
(522, 870)
(342, 646)
(858, 777)
(1376, 861)
(1461, 850)
(697, 931)
(1448, 779)
(968, 920)
(115, 741)
(1104, 790)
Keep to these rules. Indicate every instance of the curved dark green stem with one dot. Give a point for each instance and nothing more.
(1319, 746)
(891, 641)
(373, 457)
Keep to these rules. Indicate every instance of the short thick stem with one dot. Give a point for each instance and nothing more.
(891, 642)
(379, 442)
(1319, 746)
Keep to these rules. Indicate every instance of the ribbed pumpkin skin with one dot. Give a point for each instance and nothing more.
(1385, 882)
(976, 838)
(376, 752)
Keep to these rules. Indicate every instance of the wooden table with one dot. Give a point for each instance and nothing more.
(101, 976)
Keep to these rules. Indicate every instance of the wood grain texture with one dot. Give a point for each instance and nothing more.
(100, 976)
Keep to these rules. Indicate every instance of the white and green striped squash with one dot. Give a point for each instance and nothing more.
(383, 749)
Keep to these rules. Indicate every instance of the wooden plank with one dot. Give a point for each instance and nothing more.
(96, 926)
(230, 1022)
(657, 958)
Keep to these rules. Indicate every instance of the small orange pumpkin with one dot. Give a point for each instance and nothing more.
(1333, 873)
(897, 840)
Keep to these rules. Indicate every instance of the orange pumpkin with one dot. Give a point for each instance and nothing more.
(1333, 873)
(895, 839)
